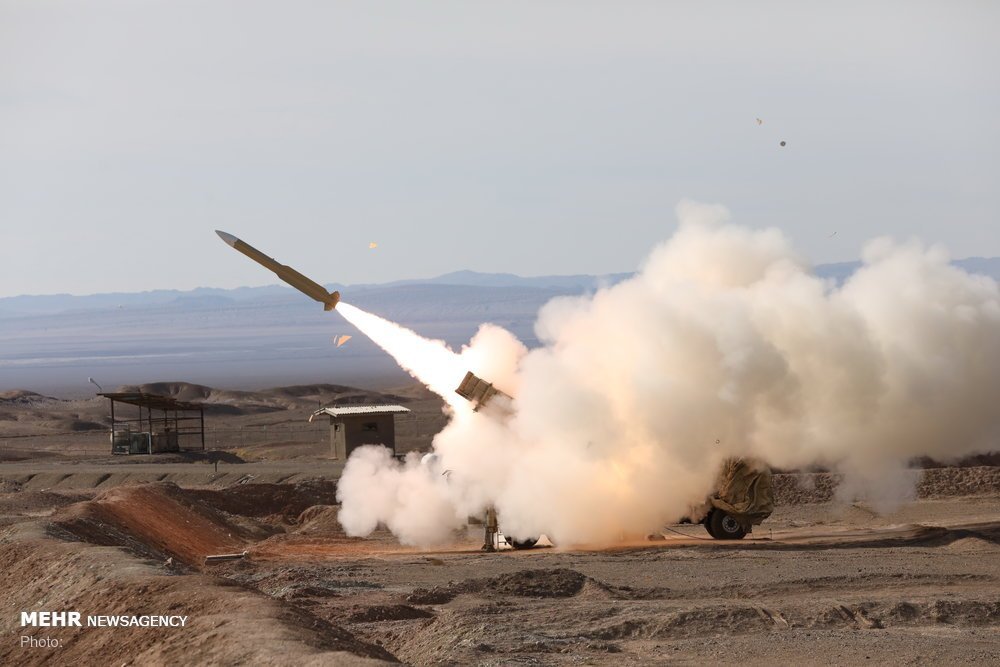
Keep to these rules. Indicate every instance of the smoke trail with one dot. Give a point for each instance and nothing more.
(493, 353)
(429, 361)
(724, 344)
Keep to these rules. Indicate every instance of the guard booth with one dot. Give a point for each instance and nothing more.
(356, 425)
(160, 424)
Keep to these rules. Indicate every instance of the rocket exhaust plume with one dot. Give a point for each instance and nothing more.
(429, 361)
(432, 362)
(724, 344)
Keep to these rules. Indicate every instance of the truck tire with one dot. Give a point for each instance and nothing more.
(523, 544)
(723, 526)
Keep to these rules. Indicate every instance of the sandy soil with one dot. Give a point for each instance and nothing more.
(823, 584)
(818, 583)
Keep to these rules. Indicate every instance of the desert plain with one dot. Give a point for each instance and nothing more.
(822, 581)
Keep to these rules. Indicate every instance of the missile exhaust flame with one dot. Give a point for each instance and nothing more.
(430, 361)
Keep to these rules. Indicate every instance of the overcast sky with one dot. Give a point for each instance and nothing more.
(529, 137)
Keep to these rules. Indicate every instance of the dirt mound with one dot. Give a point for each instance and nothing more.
(392, 612)
(320, 519)
(688, 623)
(9, 486)
(308, 395)
(24, 398)
(182, 391)
(965, 612)
(160, 520)
(38, 502)
(225, 624)
(554, 583)
(216, 401)
(309, 390)
(988, 533)
(285, 502)
(541, 583)
(431, 596)
(549, 583)
(234, 402)
(305, 591)
(974, 544)
(289, 582)
(156, 521)
(412, 392)
(876, 614)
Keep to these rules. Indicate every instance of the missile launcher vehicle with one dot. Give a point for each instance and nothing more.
(743, 497)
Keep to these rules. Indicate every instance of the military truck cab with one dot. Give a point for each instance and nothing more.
(743, 498)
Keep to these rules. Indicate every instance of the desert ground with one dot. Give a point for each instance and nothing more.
(820, 582)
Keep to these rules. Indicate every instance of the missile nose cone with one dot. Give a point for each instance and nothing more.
(228, 238)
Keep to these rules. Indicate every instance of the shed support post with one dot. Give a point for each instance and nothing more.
(112, 426)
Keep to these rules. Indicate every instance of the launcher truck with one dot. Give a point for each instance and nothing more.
(742, 498)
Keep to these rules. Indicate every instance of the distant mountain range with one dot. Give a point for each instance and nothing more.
(253, 337)
(57, 303)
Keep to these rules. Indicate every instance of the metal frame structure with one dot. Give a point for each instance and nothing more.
(175, 413)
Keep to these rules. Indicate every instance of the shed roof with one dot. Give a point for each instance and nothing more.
(345, 410)
(152, 401)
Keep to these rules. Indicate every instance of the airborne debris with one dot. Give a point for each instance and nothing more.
(760, 122)
(340, 340)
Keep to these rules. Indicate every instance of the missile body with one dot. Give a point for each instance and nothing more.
(308, 287)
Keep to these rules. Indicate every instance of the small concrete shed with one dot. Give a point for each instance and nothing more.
(354, 425)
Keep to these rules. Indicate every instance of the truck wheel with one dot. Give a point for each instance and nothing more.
(723, 526)
(523, 544)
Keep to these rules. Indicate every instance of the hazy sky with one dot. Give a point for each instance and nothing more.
(530, 137)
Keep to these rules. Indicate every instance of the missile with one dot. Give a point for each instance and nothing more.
(308, 287)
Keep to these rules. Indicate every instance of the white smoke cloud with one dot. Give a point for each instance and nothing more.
(409, 499)
(724, 344)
